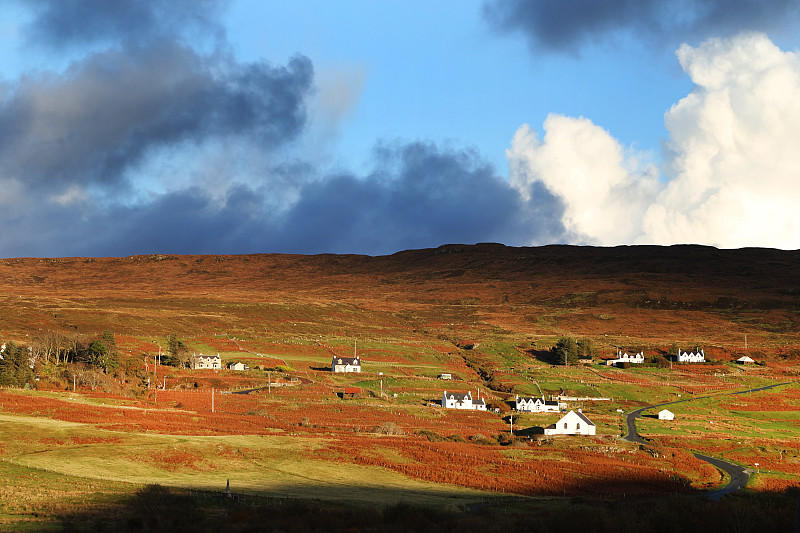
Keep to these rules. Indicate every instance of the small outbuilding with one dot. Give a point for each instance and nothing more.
(350, 393)
(744, 360)
(666, 414)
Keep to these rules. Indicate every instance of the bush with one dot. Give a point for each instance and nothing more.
(661, 361)
(432, 436)
(388, 428)
(482, 439)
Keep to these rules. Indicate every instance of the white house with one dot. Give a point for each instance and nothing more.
(744, 360)
(462, 400)
(207, 361)
(666, 414)
(238, 366)
(346, 364)
(691, 357)
(572, 423)
(624, 355)
(536, 405)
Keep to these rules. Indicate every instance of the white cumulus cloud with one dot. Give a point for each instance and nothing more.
(603, 186)
(730, 178)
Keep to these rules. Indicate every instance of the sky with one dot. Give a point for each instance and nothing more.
(331, 126)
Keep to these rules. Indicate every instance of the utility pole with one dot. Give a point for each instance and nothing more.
(212, 399)
(512, 424)
(269, 382)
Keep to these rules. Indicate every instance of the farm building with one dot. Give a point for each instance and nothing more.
(535, 405)
(346, 364)
(350, 393)
(743, 360)
(666, 414)
(445, 376)
(462, 400)
(572, 423)
(627, 355)
(206, 361)
(697, 356)
(239, 366)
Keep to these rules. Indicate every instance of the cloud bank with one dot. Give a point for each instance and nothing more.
(731, 174)
(568, 25)
(150, 143)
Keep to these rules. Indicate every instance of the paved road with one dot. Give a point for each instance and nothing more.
(739, 476)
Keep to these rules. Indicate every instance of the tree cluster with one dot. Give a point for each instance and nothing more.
(177, 353)
(568, 350)
(15, 366)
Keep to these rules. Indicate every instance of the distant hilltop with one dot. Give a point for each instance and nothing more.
(618, 291)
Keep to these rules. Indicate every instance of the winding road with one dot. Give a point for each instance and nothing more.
(739, 476)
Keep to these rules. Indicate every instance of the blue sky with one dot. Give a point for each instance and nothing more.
(242, 126)
(438, 71)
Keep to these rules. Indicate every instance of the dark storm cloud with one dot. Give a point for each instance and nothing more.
(566, 25)
(102, 116)
(417, 196)
(77, 146)
(58, 23)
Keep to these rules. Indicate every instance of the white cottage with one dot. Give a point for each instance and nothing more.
(238, 366)
(213, 362)
(691, 357)
(627, 355)
(346, 364)
(462, 400)
(666, 414)
(572, 423)
(535, 405)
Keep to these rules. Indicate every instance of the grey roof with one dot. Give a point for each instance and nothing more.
(459, 396)
(346, 361)
(583, 417)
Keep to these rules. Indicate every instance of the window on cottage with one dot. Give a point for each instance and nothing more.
(578, 426)
(565, 425)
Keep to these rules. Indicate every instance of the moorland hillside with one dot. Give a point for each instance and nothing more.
(653, 294)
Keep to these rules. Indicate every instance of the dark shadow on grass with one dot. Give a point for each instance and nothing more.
(159, 509)
(532, 431)
(543, 356)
